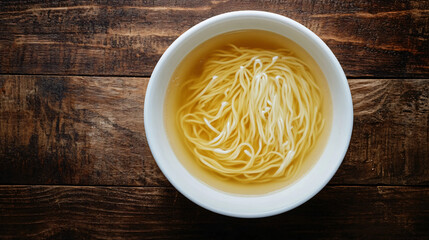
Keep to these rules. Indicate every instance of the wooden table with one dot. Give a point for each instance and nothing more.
(75, 163)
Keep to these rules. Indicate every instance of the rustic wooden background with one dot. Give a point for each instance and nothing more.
(74, 160)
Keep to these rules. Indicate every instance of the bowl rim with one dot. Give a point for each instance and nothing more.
(150, 132)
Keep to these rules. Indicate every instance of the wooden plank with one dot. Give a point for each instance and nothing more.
(90, 131)
(390, 133)
(74, 130)
(375, 39)
(69, 212)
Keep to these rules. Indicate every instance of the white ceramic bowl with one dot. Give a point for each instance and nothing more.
(259, 205)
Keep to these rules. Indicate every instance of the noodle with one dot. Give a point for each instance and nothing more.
(252, 115)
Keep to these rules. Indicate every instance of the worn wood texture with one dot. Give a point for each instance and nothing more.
(73, 130)
(89, 130)
(370, 38)
(67, 212)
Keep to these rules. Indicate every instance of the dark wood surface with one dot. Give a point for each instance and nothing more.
(74, 160)
(76, 212)
(370, 38)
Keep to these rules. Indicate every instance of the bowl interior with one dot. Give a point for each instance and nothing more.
(259, 205)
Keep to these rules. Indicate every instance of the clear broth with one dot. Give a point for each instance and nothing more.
(191, 66)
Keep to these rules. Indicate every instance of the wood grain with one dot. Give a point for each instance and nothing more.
(372, 39)
(72, 130)
(66, 212)
(90, 131)
(390, 139)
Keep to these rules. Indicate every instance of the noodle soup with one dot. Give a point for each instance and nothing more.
(248, 112)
